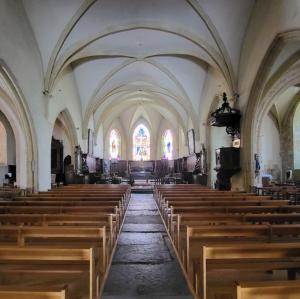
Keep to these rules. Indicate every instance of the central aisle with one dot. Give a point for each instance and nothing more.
(144, 264)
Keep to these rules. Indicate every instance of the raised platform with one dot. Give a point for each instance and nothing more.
(142, 186)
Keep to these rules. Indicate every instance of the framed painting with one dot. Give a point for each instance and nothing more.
(191, 141)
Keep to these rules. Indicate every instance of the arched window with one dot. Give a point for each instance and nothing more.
(141, 143)
(114, 145)
(167, 143)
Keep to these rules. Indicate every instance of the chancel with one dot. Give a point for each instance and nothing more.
(150, 149)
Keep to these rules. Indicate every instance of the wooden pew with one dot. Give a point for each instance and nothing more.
(58, 210)
(189, 191)
(243, 258)
(65, 199)
(197, 236)
(268, 290)
(167, 201)
(94, 188)
(240, 210)
(70, 218)
(16, 292)
(110, 221)
(49, 236)
(181, 221)
(225, 207)
(225, 222)
(59, 261)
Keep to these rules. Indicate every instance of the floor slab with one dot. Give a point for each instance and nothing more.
(143, 228)
(144, 265)
(156, 253)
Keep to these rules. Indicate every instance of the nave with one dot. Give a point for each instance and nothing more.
(144, 260)
(195, 100)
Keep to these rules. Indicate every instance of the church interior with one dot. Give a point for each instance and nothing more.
(150, 149)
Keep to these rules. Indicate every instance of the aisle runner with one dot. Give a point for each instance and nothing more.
(144, 265)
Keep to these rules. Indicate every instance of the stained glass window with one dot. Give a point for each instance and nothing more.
(141, 143)
(114, 145)
(167, 143)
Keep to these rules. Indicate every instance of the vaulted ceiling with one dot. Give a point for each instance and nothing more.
(131, 53)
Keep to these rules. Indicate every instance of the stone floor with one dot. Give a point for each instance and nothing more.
(144, 264)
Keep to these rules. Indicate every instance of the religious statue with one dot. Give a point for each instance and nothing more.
(203, 159)
(257, 165)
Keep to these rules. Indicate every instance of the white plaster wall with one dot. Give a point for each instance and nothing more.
(3, 145)
(230, 17)
(99, 143)
(106, 14)
(267, 20)
(139, 71)
(48, 18)
(190, 73)
(11, 146)
(7, 146)
(59, 133)
(214, 85)
(19, 51)
(270, 149)
(88, 75)
(65, 97)
(296, 138)
(140, 43)
(182, 144)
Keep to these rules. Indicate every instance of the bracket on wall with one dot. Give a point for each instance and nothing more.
(228, 117)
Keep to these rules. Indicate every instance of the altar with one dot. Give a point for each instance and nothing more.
(141, 170)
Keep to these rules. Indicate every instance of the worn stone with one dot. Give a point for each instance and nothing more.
(131, 227)
(142, 213)
(148, 280)
(142, 207)
(156, 253)
(143, 219)
(144, 264)
(140, 238)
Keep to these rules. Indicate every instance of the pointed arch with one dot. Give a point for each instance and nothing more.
(68, 123)
(263, 92)
(14, 108)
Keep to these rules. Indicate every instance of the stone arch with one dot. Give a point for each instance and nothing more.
(87, 4)
(66, 119)
(9, 156)
(262, 95)
(113, 107)
(13, 106)
(287, 138)
(212, 53)
(184, 100)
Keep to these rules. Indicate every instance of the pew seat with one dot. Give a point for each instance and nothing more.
(27, 264)
(25, 292)
(253, 258)
(268, 290)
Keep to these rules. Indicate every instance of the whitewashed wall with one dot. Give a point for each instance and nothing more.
(270, 149)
